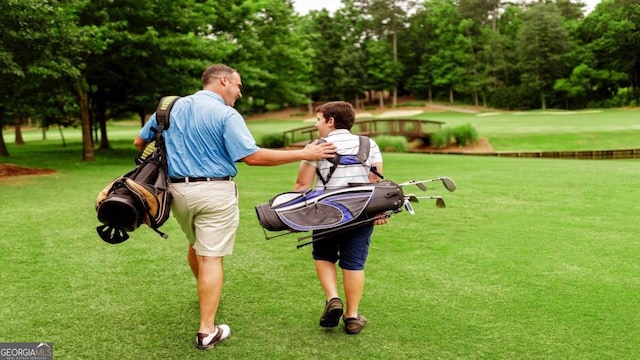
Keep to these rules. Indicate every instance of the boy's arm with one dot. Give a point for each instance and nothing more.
(373, 177)
(306, 175)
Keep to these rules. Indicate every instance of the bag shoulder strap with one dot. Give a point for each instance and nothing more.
(163, 110)
(364, 148)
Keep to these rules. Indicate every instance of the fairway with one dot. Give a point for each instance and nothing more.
(531, 259)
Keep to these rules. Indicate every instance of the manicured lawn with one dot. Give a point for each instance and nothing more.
(531, 259)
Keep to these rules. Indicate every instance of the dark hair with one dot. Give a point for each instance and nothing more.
(342, 113)
(216, 71)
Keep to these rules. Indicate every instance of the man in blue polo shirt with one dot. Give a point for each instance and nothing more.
(205, 139)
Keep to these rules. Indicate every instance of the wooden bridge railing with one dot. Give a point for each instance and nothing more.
(410, 128)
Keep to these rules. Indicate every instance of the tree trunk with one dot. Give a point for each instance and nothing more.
(101, 118)
(18, 128)
(143, 117)
(4, 152)
(381, 99)
(83, 99)
(451, 95)
(309, 104)
(64, 143)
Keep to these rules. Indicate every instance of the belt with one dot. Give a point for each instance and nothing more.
(196, 179)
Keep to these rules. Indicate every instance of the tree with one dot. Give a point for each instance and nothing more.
(32, 34)
(384, 19)
(274, 58)
(542, 45)
(611, 35)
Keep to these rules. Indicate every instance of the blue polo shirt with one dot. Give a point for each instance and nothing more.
(205, 137)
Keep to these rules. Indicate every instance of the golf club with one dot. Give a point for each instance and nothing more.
(448, 183)
(439, 199)
(408, 206)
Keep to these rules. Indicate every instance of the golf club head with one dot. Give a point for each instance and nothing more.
(412, 198)
(111, 234)
(448, 183)
(418, 183)
(408, 206)
(440, 202)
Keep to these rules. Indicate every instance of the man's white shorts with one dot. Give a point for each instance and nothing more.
(208, 214)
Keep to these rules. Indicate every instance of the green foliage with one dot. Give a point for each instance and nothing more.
(442, 138)
(541, 61)
(514, 98)
(465, 134)
(388, 143)
(272, 141)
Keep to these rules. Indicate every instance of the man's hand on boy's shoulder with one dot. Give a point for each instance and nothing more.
(317, 150)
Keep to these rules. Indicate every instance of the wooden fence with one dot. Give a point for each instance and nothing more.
(578, 154)
(410, 128)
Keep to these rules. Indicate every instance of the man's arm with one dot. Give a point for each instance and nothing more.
(139, 143)
(270, 157)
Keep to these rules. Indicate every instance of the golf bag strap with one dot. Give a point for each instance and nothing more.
(162, 112)
(363, 154)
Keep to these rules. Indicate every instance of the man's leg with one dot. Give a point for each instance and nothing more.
(328, 276)
(353, 281)
(193, 261)
(210, 279)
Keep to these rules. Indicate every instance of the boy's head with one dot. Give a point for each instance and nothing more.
(341, 112)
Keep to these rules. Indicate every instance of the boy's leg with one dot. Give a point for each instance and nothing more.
(328, 276)
(353, 281)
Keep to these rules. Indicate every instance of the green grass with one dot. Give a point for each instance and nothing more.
(531, 259)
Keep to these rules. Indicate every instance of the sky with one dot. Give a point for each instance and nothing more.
(304, 6)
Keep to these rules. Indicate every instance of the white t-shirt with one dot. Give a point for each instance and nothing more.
(347, 144)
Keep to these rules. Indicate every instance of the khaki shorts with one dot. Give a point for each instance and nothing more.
(208, 215)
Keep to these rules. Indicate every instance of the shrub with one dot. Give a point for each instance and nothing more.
(389, 143)
(442, 138)
(272, 141)
(465, 134)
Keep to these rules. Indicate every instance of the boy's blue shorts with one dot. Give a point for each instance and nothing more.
(349, 247)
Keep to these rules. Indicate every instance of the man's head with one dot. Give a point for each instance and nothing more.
(223, 80)
(334, 115)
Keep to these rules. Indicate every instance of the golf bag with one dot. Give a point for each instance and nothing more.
(142, 195)
(320, 209)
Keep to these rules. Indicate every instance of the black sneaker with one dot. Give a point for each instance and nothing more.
(354, 325)
(332, 312)
(207, 341)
